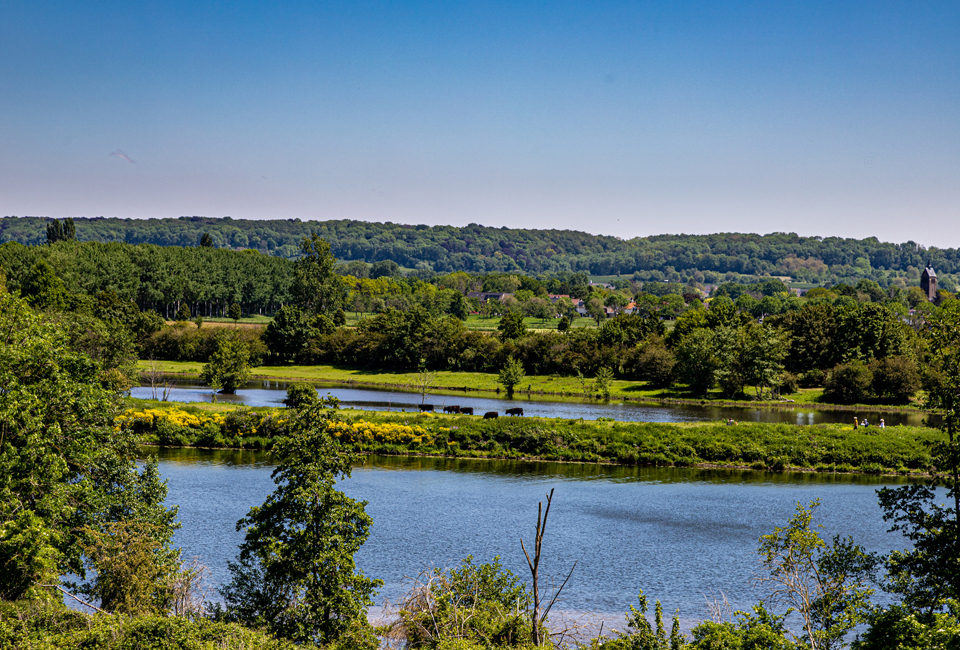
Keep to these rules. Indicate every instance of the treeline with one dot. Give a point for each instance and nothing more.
(158, 278)
(481, 249)
(859, 352)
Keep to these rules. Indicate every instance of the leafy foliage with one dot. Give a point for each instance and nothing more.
(229, 365)
(295, 575)
(511, 375)
(827, 585)
(928, 574)
(471, 604)
(64, 468)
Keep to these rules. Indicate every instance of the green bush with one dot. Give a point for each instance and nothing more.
(481, 605)
(895, 378)
(849, 382)
(47, 625)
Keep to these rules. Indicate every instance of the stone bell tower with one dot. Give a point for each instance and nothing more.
(928, 283)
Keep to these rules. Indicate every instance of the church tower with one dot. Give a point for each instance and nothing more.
(928, 282)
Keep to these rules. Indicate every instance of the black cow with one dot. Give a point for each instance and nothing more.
(491, 415)
(425, 407)
(467, 410)
(451, 409)
(516, 411)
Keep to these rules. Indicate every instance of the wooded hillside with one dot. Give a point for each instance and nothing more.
(481, 249)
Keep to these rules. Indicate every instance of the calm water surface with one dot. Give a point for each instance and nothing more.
(265, 393)
(676, 534)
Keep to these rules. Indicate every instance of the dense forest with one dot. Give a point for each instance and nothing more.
(481, 249)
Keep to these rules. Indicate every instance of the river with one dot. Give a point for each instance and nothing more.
(678, 534)
(267, 393)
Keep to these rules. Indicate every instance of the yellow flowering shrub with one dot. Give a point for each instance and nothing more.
(148, 419)
(398, 434)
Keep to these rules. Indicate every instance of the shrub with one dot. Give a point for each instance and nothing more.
(849, 382)
(789, 383)
(655, 363)
(895, 378)
(813, 378)
(481, 604)
(301, 395)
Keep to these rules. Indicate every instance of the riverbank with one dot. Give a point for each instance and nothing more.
(778, 447)
(454, 383)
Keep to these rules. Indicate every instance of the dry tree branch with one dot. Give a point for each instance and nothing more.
(79, 600)
(536, 618)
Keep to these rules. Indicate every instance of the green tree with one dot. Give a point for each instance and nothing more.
(44, 289)
(235, 312)
(697, 362)
(295, 574)
(384, 269)
(511, 375)
(760, 630)
(597, 310)
(655, 363)
(288, 333)
(927, 576)
(183, 314)
(481, 604)
(602, 381)
(65, 230)
(828, 585)
(764, 348)
(229, 366)
(539, 308)
(511, 326)
(642, 635)
(206, 241)
(895, 379)
(459, 308)
(64, 469)
(317, 289)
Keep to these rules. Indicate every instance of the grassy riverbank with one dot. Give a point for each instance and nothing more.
(458, 382)
(823, 448)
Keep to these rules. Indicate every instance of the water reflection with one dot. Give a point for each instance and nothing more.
(675, 533)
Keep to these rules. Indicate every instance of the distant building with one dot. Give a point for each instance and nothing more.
(928, 282)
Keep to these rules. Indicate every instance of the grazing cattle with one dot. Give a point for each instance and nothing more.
(491, 415)
(425, 407)
(467, 410)
(451, 409)
(516, 411)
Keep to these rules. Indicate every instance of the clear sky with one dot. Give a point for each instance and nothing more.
(623, 118)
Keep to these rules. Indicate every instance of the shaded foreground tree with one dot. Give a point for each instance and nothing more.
(295, 575)
(67, 475)
(928, 575)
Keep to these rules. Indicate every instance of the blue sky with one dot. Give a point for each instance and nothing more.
(623, 118)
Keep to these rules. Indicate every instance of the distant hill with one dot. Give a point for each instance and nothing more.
(481, 249)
